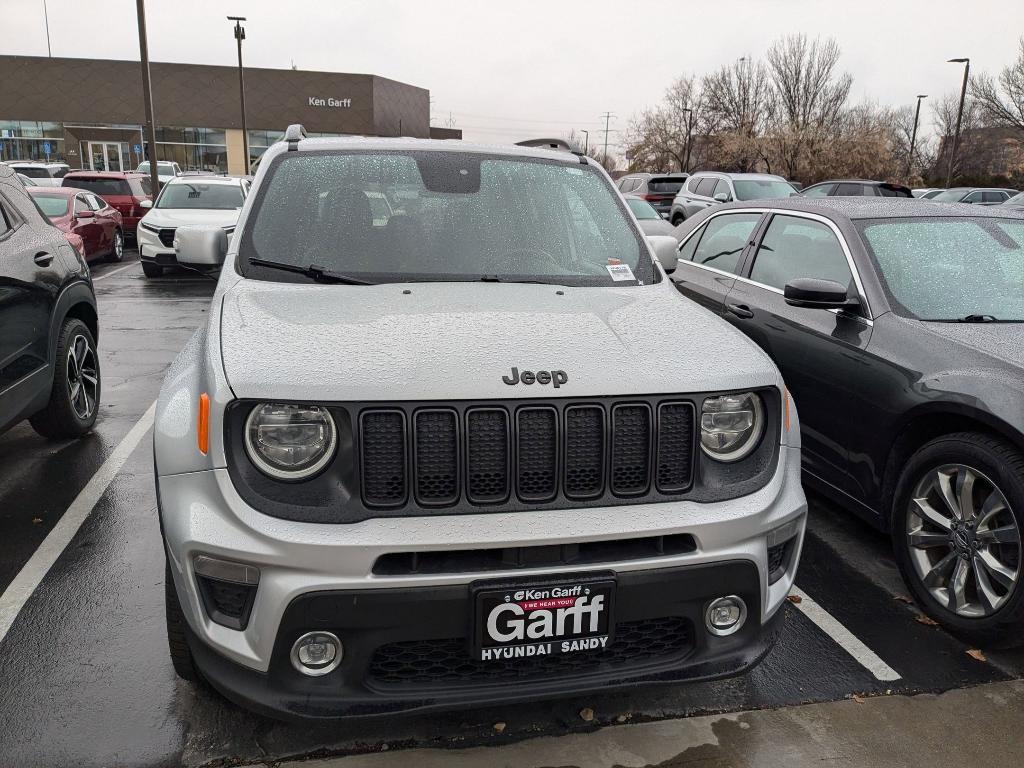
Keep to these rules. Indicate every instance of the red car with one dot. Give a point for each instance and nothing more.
(85, 214)
(123, 190)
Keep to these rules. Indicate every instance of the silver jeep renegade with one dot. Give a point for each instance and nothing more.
(450, 436)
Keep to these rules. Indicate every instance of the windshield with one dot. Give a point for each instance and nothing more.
(950, 195)
(642, 209)
(164, 168)
(53, 206)
(101, 187)
(219, 197)
(665, 186)
(762, 189)
(1017, 199)
(457, 216)
(947, 269)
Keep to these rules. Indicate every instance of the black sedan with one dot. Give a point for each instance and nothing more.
(897, 325)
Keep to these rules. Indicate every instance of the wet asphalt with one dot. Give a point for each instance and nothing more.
(84, 675)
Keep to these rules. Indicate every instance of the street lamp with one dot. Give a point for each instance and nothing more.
(240, 36)
(586, 140)
(959, 117)
(147, 96)
(913, 134)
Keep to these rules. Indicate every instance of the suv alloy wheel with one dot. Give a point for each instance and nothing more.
(75, 396)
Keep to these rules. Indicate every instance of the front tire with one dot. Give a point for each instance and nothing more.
(117, 248)
(177, 643)
(677, 219)
(75, 394)
(957, 519)
(149, 269)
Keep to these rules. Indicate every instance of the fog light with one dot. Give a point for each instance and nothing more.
(316, 653)
(725, 615)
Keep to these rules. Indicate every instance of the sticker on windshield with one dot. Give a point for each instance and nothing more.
(620, 272)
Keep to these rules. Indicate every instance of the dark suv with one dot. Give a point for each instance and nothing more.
(658, 189)
(856, 188)
(49, 366)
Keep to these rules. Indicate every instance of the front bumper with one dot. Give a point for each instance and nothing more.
(316, 576)
(152, 250)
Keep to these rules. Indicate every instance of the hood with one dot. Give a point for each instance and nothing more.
(176, 217)
(1002, 341)
(456, 341)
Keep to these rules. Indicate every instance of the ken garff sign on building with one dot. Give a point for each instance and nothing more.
(316, 101)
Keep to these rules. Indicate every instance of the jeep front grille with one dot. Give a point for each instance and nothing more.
(538, 454)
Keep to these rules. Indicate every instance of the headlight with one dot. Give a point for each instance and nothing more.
(290, 442)
(731, 425)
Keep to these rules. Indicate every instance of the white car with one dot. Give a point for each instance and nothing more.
(466, 456)
(42, 174)
(165, 170)
(206, 200)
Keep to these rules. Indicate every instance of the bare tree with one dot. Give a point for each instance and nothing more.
(1002, 102)
(662, 137)
(810, 95)
(738, 105)
(968, 152)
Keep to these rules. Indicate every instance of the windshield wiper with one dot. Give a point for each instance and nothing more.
(314, 271)
(978, 319)
(497, 279)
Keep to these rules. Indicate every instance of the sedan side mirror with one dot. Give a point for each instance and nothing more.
(722, 197)
(85, 214)
(206, 246)
(146, 204)
(666, 249)
(813, 293)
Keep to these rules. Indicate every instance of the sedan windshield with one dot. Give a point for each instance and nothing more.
(219, 197)
(1017, 199)
(949, 269)
(762, 189)
(454, 216)
(54, 206)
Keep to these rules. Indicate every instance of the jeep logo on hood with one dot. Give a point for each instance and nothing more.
(558, 378)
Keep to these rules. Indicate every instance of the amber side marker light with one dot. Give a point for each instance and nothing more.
(785, 400)
(203, 426)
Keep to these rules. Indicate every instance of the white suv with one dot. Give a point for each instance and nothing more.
(450, 457)
(42, 174)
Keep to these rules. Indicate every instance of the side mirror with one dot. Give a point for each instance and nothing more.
(722, 197)
(85, 214)
(813, 293)
(146, 204)
(666, 250)
(206, 246)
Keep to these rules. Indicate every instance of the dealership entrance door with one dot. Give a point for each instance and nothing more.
(104, 156)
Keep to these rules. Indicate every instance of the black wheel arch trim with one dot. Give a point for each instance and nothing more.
(74, 295)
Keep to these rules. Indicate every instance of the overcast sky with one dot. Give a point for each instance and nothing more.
(510, 70)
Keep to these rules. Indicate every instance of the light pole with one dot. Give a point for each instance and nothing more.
(147, 96)
(689, 135)
(959, 117)
(46, 21)
(913, 134)
(586, 140)
(240, 36)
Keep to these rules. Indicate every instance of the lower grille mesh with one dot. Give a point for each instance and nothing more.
(426, 662)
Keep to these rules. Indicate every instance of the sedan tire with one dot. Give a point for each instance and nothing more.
(117, 248)
(957, 519)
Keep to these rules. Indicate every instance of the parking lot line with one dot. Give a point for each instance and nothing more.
(105, 275)
(34, 571)
(844, 637)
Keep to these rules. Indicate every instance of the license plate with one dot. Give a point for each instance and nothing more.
(518, 621)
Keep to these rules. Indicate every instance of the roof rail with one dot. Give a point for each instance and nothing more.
(293, 134)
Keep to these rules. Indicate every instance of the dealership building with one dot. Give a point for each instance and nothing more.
(89, 113)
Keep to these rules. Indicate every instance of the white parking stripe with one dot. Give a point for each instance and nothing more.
(828, 624)
(105, 275)
(31, 575)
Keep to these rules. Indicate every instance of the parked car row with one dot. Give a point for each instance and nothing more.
(548, 498)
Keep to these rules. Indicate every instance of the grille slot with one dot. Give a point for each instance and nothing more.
(675, 447)
(631, 449)
(584, 451)
(537, 443)
(431, 662)
(382, 457)
(487, 455)
(436, 456)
